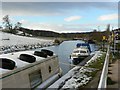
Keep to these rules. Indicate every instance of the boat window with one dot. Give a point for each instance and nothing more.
(76, 51)
(35, 78)
(82, 51)
(50, 69)
(87, 51)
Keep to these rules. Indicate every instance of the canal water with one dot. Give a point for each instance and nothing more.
(63, 51)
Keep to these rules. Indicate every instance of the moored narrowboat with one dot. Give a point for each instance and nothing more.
(29, 69)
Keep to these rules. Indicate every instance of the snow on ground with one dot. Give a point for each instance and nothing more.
(93, 59)
(17, 40)
(11, 43)
(77, 76)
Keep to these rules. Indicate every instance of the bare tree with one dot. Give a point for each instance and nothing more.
(7, 22)
(9, 26)
(108, 31)
(17, 25)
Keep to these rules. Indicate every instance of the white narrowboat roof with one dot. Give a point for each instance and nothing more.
(19, 63)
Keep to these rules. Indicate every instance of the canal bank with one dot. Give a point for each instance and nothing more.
(79, 76)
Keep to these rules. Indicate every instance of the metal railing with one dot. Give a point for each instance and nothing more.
(103, 78)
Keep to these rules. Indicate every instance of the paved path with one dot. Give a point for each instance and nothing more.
(115, 76)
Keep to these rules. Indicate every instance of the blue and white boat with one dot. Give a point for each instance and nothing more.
(81, 51)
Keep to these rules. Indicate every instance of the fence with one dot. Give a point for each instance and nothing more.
(103, 78)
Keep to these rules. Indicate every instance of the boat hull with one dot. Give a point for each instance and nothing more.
(78, 59)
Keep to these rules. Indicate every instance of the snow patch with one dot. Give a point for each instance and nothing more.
(12, 43)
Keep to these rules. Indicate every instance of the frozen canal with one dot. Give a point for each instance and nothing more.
(63, 51)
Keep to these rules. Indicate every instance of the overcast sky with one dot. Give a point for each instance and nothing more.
(63, 16)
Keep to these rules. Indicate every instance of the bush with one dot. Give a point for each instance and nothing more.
(56, 41)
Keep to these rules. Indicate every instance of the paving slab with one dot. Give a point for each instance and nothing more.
(115, 74)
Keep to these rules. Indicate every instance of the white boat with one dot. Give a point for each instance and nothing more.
(28, 69)
(79, 54)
